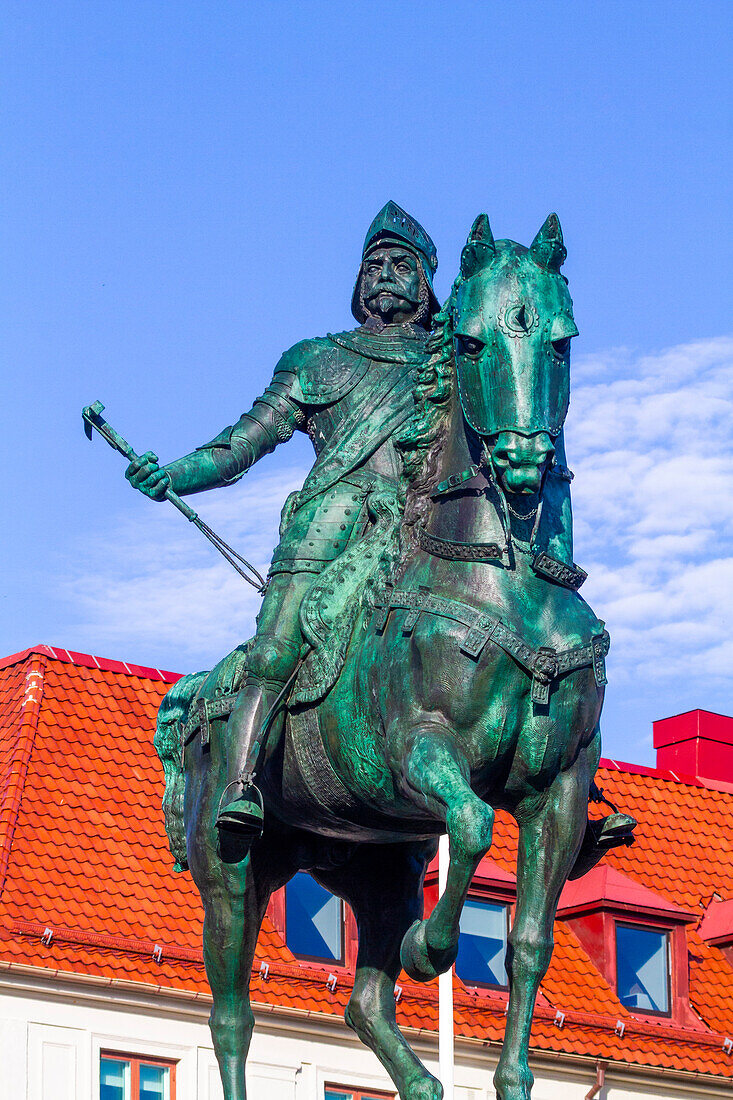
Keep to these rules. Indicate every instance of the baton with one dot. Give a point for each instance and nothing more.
(93, 419)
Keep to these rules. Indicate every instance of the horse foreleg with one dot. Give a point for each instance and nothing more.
(437, 777)
(383, 884)
(549, 842)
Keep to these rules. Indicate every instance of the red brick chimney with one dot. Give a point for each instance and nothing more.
(696, 743)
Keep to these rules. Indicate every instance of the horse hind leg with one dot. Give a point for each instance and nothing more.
(235, 896)
(437, 777)
(549, 841)
(383, 884)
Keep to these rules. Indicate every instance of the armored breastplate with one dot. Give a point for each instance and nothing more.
(341, 360)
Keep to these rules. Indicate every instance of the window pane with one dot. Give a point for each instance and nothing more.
(114, 1080)
(154, 1082)
(313, 919)
(641, 968)
(338, 1094)
(482, 943)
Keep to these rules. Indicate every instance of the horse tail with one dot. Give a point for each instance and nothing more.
(168, 741)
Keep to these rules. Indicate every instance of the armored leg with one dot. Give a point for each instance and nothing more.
(270, 662)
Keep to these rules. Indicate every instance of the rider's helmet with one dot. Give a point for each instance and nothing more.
(393, 224)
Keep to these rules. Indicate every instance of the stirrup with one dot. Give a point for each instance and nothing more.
(243, 815)
(601, 835)
(615, 829)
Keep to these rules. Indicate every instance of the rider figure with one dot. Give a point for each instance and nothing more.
(350, 392)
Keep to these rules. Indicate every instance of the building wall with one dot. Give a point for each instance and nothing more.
(51, 1035)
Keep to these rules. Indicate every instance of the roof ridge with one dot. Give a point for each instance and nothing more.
(30, 709)
(666, 774)
(89, 660)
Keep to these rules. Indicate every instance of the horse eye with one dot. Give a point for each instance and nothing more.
(469, 345)
(561, 347)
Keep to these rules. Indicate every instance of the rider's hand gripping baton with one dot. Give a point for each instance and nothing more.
(93, 419)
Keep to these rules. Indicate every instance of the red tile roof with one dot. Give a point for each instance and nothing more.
(606, 886)
(83, 853)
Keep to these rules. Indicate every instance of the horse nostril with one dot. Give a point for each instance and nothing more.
(519, 451)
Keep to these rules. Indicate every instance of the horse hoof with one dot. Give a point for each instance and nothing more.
(421, 961)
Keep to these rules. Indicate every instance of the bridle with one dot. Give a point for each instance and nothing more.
(542, 563)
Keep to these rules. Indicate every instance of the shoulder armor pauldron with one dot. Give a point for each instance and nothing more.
(328, 371)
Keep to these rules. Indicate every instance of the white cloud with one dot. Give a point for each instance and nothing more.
(650, 438)
(154, 585)
(651, 441)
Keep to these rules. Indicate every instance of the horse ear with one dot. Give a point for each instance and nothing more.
(479, 249)
(548, 249)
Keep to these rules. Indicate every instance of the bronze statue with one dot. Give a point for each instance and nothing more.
(422, 656)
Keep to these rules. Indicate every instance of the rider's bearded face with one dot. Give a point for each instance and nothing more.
(391, 284)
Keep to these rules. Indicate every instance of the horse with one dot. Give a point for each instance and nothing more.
(473, 680)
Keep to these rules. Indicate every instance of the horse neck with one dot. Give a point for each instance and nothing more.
(469, 514)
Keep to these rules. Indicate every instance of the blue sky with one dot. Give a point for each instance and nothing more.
(187, 190)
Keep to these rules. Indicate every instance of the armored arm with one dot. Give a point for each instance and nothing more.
(272, 419)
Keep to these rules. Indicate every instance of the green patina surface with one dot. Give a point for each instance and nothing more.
(422, 655)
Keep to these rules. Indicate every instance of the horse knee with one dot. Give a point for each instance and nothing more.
(356, 1016)
(272, 658)
(231, 1032)
(529, 952)
(470, 826)
(513, 1079)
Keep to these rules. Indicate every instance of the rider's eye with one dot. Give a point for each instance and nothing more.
(561, 347)
(469, 345)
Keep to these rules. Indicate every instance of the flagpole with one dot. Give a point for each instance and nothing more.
(445, 995)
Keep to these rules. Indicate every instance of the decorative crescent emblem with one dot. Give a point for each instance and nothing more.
(519, 319)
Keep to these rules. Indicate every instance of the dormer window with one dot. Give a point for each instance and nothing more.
(314, 920)
(482, 943)
(636, 938)
(642, 968)
(484, 924)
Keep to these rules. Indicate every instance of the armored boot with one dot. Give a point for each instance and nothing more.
(243, 814)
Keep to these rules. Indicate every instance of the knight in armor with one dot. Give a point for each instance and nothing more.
(351, 392)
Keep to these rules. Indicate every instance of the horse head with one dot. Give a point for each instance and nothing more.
(512, 322)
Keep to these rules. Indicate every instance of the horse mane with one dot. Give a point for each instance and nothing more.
(422, 438)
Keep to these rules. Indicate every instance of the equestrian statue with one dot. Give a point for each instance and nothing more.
(422, 654)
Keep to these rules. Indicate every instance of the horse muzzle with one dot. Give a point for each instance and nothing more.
(520, 461)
